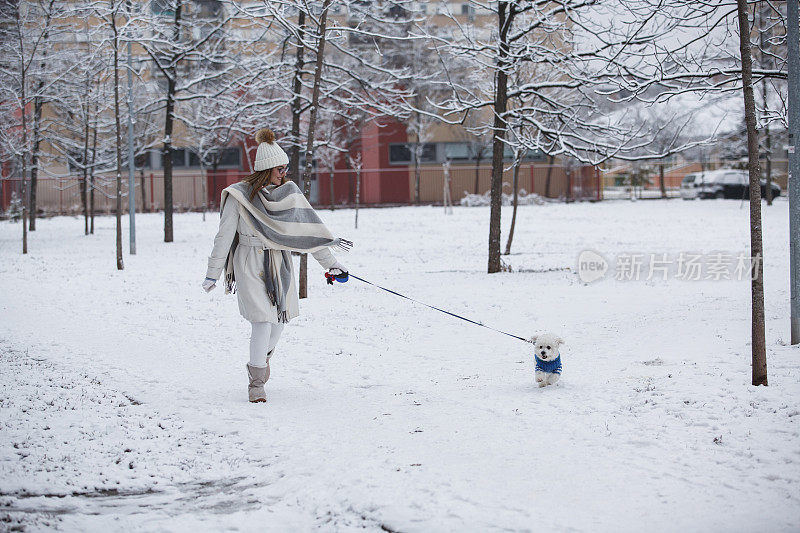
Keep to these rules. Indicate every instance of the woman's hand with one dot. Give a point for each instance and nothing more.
(337, 269)
(337, 272)
(209, 284)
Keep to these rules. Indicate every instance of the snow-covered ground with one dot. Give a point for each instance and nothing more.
(123, 394)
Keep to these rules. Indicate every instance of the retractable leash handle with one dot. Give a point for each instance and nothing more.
(330, 282)
(341, 278)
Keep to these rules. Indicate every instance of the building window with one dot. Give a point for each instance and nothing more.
(429, 153)
(179, 158)
(208, 9)
(230, 158)
(405, 153)
(162, 7)
(534, 155)
(457, 151)
(399, 153)
(185, 158)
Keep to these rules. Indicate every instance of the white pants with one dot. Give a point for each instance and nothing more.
(263, 339)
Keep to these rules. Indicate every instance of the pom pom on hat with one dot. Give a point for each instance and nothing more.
(265, 136)
(269, 154)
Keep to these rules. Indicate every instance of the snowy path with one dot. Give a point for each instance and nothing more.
(123, 394)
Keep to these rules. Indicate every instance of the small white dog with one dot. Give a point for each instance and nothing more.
(548, 360)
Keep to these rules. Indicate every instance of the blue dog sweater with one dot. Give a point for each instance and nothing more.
(551, 367)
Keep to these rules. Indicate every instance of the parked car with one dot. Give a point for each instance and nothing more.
(722, 183)
(688, 189)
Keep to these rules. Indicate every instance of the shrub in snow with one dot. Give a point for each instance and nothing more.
(474, 200)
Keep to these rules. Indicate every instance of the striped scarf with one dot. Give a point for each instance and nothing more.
(285, 222)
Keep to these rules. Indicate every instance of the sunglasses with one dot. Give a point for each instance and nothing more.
(284, 169)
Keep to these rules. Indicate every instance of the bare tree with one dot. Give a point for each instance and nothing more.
(423, 78)
(758, 344)
(319, 51)
(707, 63)
(769, 24)
(110, 17)
(517, 163)
(187, 49)
(81, 119)
(554, 103)
(351, 74)
(24, 35)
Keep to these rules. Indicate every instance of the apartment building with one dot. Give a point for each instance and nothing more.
(449, 155)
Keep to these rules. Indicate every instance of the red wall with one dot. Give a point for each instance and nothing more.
(380, 186)
(344, 181)
(394, 185)
(219, 180)
(377, 184)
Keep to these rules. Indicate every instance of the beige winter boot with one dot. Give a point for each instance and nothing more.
(258, 377)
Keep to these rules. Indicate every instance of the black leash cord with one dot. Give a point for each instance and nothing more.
(436, 308)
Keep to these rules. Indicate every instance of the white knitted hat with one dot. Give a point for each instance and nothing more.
(269, 154)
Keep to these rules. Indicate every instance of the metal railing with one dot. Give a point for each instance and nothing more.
(379, 186)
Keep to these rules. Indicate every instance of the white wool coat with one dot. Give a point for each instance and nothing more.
(248, 267)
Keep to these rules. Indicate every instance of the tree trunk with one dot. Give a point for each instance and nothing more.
(350, 176)
(91, 203)
(498, 135)
(166, 156)
(764, 62)
(85, 159)
(661, 180)
(323, 20)
(758, 344)
(297, 103)
(358, 192)
(23, 112)
(768, 142)
(768, 189)
(24, 179)
(203, 188)
(37, 122)
(118, 140)
(549, 174)
(417, 169)
(333, 200)
(478, 158)
(84, 201)
(144, 195)
(569, 186)
(516, 200)
(168, 125)
(417, 175)
(91, 173)
(85, 163)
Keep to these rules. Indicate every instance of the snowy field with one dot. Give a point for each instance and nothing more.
(123, 394)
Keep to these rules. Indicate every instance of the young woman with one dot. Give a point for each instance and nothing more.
(263, 219)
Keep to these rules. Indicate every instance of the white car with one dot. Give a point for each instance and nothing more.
(688, 189)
